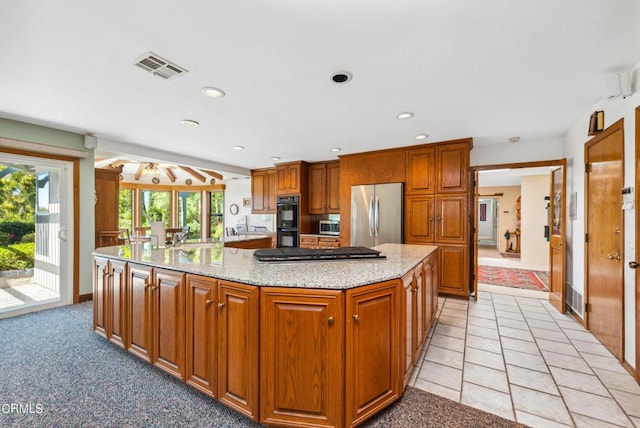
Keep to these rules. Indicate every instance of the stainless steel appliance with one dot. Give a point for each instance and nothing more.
(329, 227)
(376, 214)
(287, 221)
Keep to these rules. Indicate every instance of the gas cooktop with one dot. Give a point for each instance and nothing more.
(308, 254)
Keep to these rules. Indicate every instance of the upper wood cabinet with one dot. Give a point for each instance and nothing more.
(421, 170)
(291, 177)
(443, 168)
(302, 351)
(324, 188)
(263, 191)
(452, 172)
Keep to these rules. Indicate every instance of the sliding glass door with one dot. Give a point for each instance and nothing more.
(36, 233)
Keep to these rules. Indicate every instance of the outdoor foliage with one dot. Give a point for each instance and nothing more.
(17, 196)
(13, 231)
(125, 208)
(18, 256)
(155, 207)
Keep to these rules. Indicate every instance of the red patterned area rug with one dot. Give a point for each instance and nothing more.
(514, 278)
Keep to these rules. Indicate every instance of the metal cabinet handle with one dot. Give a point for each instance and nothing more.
(208, 302)
(220, 305)
(330, 320)
(615, 257)
(633, 265)
(356, 317)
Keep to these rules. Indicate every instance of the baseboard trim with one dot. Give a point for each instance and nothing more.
(85, 297)
(630, 369)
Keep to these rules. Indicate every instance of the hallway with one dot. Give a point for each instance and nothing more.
(515, 356)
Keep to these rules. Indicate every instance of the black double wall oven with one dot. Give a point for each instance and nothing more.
(287, 221)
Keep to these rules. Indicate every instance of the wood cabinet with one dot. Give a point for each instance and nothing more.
(440, 219)
(314, 241)
(109, 312)
(291, 177)
(421, 171)
(437, 205)
(263, 191)
(454, 269)
(302, 358)
(452, 168)
(373, 324)
(221, 343)
(324, 188)
(156, 304)
(139, 310)
(431, 278)
(201, 365)
(238, 335)
(107, 188)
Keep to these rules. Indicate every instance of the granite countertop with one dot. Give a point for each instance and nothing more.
(319, 235)
(232, 264)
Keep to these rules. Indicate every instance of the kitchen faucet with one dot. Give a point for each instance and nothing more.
(180, 237)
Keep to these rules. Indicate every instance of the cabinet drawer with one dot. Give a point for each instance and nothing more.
(328, 242)
(308, 241)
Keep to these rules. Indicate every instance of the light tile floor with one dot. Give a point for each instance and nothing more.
(517, 357)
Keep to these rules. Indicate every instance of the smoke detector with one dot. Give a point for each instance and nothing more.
(159, 66)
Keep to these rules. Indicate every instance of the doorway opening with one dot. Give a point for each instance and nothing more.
(36, 233)
(511, 223)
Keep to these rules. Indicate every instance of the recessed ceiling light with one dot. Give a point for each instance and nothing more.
(514, 139)
(422, 136)
(341, 77)
(212, 92)
(189, 122)
(336, 149)
(405, 115)
(275, 158)
(238, 147)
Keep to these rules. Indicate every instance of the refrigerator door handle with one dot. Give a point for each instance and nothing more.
(376, 217)
(371, 209)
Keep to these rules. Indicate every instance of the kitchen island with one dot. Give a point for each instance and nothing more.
(322, 343)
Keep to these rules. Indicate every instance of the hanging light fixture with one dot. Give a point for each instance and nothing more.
(151, 169)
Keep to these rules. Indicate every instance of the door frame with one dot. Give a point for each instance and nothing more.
(615, 127)
(474, 220)
(76, 208)
(637, 243)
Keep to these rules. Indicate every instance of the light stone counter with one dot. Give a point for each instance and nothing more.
(232, 264)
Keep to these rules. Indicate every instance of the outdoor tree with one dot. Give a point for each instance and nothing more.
(17, 196)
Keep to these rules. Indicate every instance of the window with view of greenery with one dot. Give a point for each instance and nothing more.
(189, 213)
(156, 206)
(125, 209)
(216, 215)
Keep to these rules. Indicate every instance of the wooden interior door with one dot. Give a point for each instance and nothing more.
(474, 234)
(557, 252)
(604, 224)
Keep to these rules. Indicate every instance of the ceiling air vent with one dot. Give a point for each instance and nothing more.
(158, 66)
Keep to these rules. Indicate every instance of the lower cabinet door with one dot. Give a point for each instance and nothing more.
(373, 350)
(201, 364)
(100, 295)
(139, 311)
(168, 322)
(301, 367)
(118, 303)
(454, 269)
(238, 361)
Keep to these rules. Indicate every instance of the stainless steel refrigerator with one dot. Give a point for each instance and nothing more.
(376, 214)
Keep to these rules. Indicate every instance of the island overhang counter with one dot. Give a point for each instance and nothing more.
(320, 343)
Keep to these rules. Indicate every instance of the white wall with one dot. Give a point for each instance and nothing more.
(534, 246)
(506, 209)
(573, 147)
(523, 151)
(236, 191)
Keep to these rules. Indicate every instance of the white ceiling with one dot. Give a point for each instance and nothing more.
(487, 69)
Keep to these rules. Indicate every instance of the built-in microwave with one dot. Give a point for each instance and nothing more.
(329, 227)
